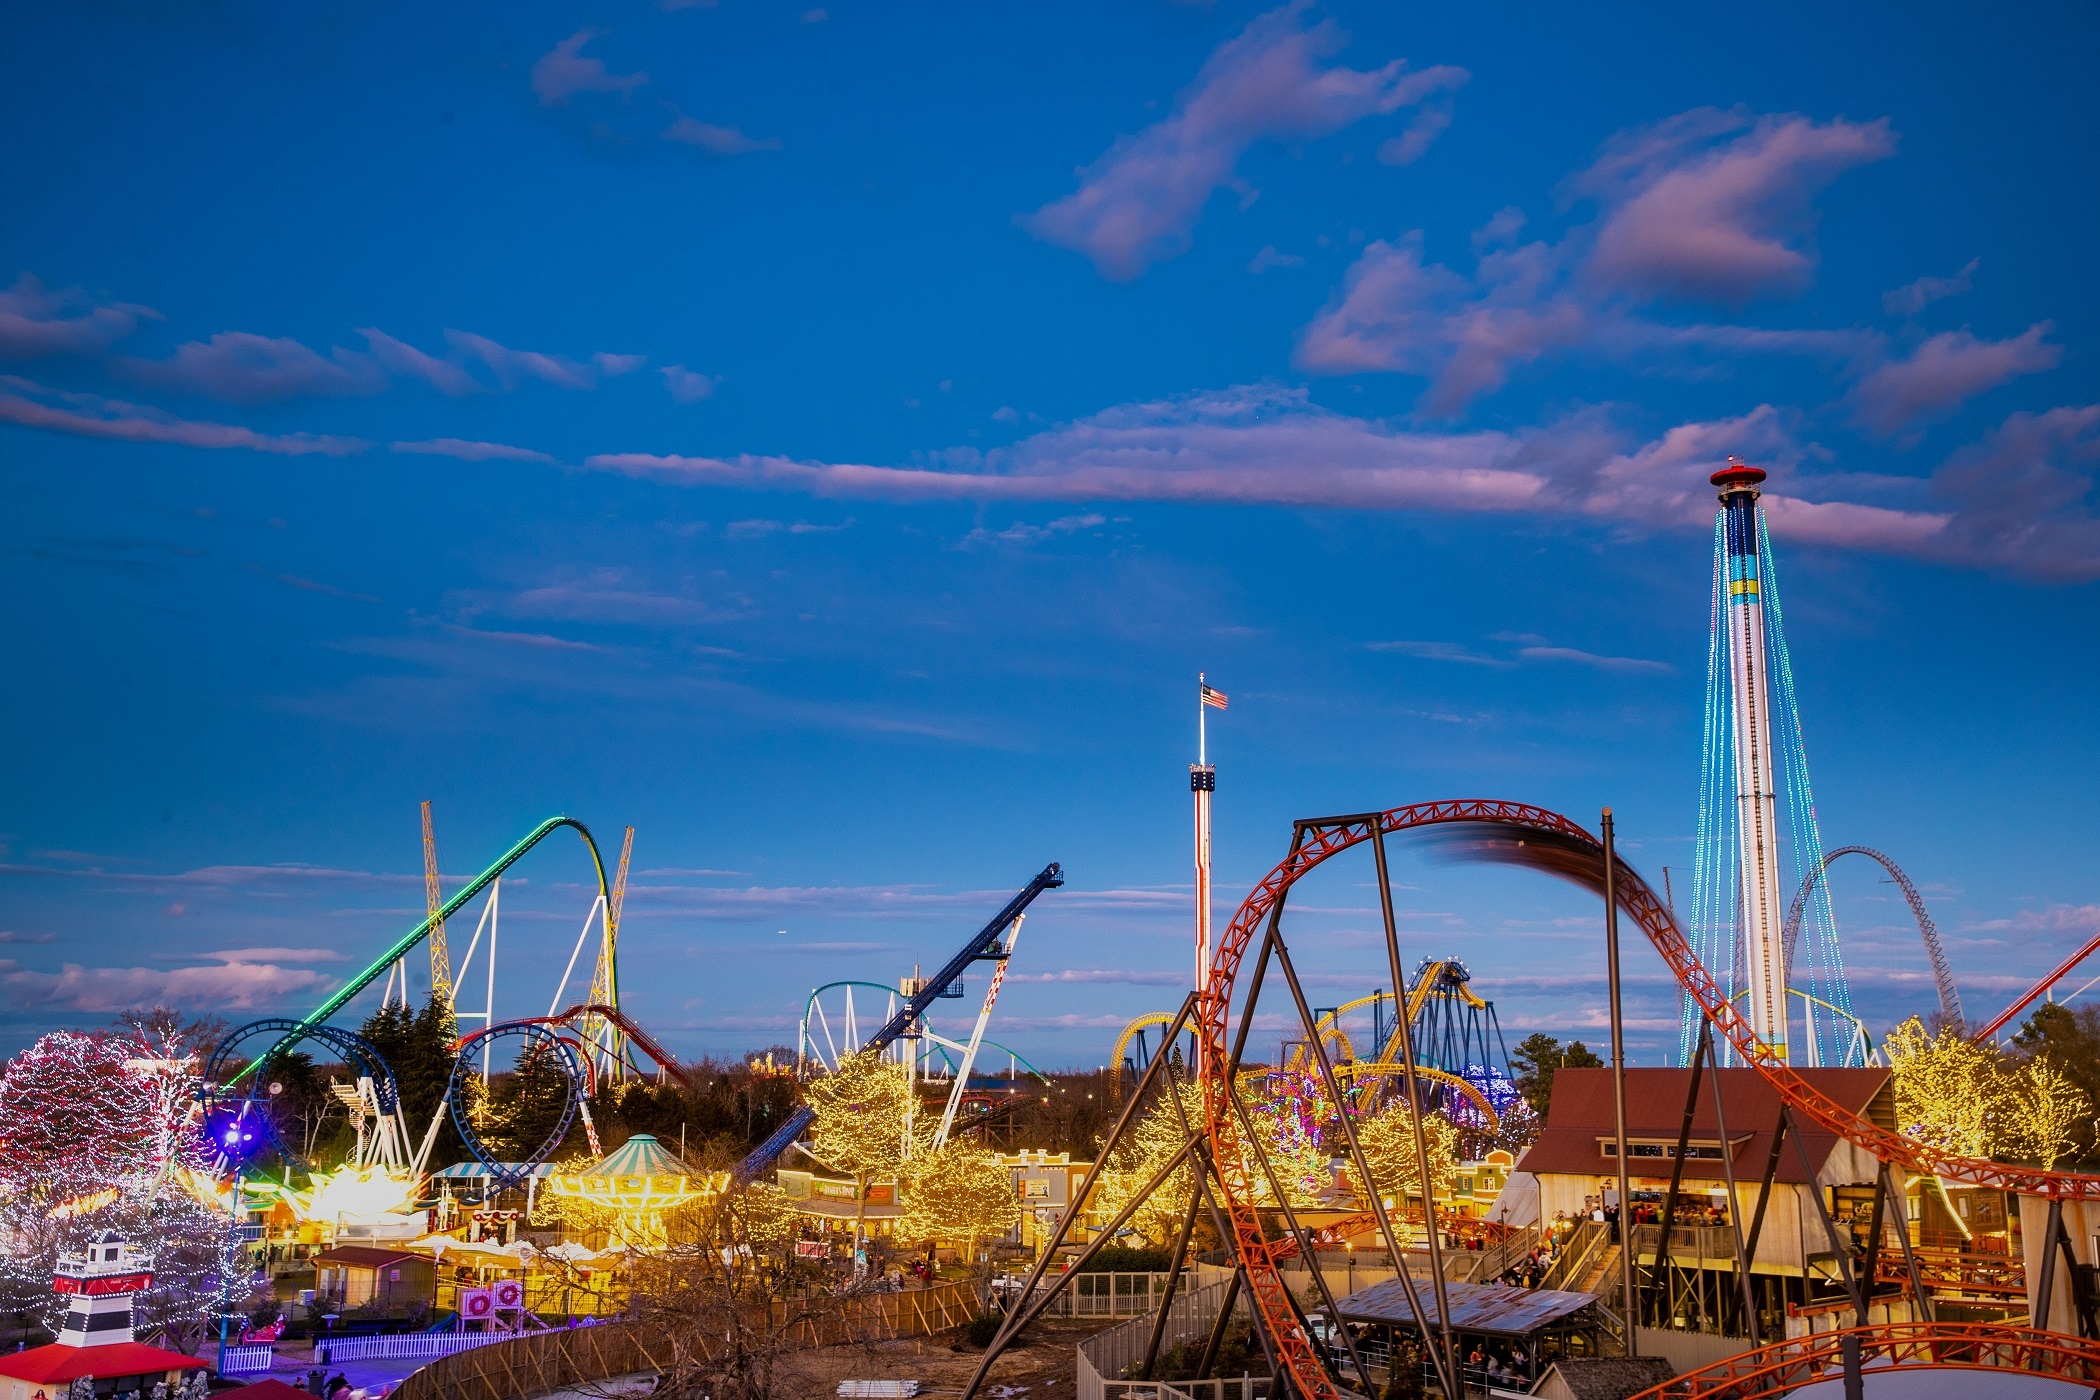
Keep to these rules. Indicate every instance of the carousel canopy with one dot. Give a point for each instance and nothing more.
(640, 1156)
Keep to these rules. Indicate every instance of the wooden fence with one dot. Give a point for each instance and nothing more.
(543, 1362)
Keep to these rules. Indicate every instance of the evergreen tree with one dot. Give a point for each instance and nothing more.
(527, 1103)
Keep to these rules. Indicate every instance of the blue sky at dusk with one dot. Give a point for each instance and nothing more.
(831, 440)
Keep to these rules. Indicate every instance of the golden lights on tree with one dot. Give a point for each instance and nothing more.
(863, 1121)
(959, 1193)
(1154, 1138)
(1388, 1140)
(1976, 1101)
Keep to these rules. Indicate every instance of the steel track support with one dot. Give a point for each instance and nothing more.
(1363, 1168)
(1009, 1329)
(1735, 1202)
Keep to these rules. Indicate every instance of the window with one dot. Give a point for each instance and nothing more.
(1698, 1151)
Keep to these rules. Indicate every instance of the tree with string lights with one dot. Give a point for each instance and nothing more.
(961, 1193)
(1388, 1141)
(95, 1135)
(863, 1119)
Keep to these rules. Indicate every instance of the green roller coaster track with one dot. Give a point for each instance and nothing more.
(421, 931)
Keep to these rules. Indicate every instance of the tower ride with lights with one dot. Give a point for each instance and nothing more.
(1758, 834)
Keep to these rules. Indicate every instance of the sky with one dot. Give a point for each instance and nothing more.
(831, 441)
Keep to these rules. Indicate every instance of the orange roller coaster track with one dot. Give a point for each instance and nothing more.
(1912, 1346)
(1517, 833)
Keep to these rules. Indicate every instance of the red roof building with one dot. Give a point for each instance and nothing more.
(1575, 1158)
(43, 1373)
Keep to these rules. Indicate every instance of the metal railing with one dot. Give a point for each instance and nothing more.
(1687, 1242)
(1106, 1359)
(1109, 1295)
(1578, 1256)
(1493, 1261)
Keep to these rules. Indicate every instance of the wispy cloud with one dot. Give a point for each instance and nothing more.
(1715, 204)
(1440, 651)
(688, 386)
(89, 415)
(563, 72)
(1264, 445)
(717, 140)
(37, 321)
(467, 451)
(1909, 300)
(1947, 371)
(222, 986)
(1136, 205)
(512, 366)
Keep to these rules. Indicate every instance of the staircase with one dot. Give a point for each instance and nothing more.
(1601, 1273)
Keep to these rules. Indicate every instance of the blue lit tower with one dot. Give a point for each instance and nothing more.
(1757, 822)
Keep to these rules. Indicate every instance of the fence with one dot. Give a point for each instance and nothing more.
(406, 1344)
(542, 1362)
(1106, 1359)
(1108, 1295)
(238, 1360)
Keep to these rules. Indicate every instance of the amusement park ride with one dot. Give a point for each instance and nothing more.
(1436, 1047)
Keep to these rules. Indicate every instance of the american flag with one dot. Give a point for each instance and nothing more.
(1213, 698)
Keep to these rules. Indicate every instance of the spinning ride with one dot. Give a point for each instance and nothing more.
(636, 1184)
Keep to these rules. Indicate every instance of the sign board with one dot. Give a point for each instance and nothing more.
(812, 1249)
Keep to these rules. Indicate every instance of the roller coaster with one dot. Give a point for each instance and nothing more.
(590, 1043)
(1232, 1164)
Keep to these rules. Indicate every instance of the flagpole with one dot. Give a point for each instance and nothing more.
(1202, 780)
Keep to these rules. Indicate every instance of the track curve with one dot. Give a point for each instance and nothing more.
(1942, 974)
(1520, 834)
(1907, 1346)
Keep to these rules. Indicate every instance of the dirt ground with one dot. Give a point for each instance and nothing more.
(1043, 1368)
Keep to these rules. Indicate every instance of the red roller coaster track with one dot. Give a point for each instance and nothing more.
(1920, 1346)
(1519, 833)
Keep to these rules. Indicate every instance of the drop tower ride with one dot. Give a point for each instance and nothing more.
(1762, 898)
(1758, 833)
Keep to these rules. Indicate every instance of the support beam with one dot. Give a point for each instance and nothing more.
(1618, 1081)
(1414, 1112)
(1446, 1374)
(1764, 1191)
(1166, 1296)
(1893, 1185)
(1008, 1330)
(1735, 1202)
(1669, 1212)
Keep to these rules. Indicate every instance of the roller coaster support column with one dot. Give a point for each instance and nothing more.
(1446, 1373)
(1618, 1079)
(1206, 1173)
(1841, 1250)
(1299, 1234)
(1661, 1275)
(1011, 1328)
(1414, 1113)
(1735, 1200)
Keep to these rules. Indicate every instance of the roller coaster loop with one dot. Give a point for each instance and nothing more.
(1519, 834)
(220, 1099)
(1942, 975)
(422, 930)
(560, 1056)
(1912, 1346)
